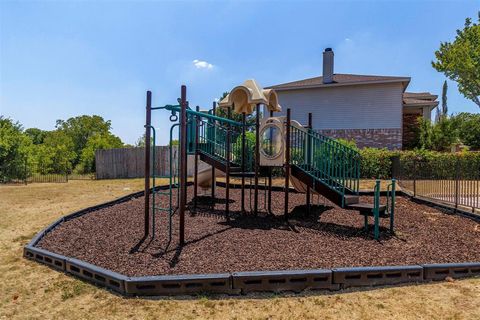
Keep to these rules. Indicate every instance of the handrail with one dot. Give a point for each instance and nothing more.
(336, 165)
(212, 140)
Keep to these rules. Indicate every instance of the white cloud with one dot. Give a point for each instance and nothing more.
(200, 64)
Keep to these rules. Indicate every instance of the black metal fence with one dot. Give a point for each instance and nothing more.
(26, 171)
(453, 181)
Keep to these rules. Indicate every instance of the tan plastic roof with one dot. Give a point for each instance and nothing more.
(246, 96)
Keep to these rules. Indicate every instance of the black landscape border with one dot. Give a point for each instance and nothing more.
(243, 282)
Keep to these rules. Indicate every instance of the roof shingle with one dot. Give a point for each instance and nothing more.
(338, 79)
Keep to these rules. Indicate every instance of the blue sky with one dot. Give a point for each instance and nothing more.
(60, 59)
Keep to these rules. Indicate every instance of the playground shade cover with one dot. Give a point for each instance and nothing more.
(245, 97)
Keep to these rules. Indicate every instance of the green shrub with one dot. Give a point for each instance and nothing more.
(249, 149)
(376, 163)
(348, 143)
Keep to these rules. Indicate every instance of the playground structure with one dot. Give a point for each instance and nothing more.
(311, 162)
(292, 254)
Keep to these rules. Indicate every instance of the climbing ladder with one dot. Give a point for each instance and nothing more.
(158, 194)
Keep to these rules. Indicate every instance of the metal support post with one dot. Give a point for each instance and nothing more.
(287, 163)
(148, 123)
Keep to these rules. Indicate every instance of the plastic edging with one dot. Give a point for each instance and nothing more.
(238, 282)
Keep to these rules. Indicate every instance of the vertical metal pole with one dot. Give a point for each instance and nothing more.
(66, 171)
(376, 209)
(309, 155)
(270, 183)
(227, 173)
(457, 183)
(244, 121)
(392, 209)
(414, 177)
(195, 186)
(287, 163)
(26, 171)
(257, 156)
(213, 152)
(183, 163)
(148, 123)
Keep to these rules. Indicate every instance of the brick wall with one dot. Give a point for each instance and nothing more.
(390, 138)
(410, 125)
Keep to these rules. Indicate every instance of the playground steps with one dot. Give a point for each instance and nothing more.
(319, 186)
(320, 175)
(330, 190)
(217, 162)
(367, 209)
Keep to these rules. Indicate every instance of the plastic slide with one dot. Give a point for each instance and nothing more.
(205, 176)
(299, 186)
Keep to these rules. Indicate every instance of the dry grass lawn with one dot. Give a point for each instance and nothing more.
(32, 291)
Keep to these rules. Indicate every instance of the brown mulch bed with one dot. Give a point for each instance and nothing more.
(329, 237)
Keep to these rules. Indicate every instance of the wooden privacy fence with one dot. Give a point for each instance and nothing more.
(130, 162)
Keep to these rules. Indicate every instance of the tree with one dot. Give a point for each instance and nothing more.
(437, 114)
(81, 128)
(96, 142)
(425, 133)
(468, 126)
(14, 149)
(437, 136)
(61, 146)
(36, 135)
(444, 112)
(444, 135)
(444, 99)
(459, 60)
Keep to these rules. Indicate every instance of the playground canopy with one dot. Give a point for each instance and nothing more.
(245, 97)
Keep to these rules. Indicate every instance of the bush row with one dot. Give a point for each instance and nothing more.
(377, 163)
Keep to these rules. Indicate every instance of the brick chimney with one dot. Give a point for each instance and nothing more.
(328, 65)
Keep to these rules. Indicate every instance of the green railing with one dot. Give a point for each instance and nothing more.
(389, 210)
(327, 160)
(212, 136)
(217, 138)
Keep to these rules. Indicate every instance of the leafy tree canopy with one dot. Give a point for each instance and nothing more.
(460, 60)
(81, 128)
(14, 148)
(36, 135)
(96, 142)
(468, 126)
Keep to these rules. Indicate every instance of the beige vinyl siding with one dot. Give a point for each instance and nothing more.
(373, 106)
